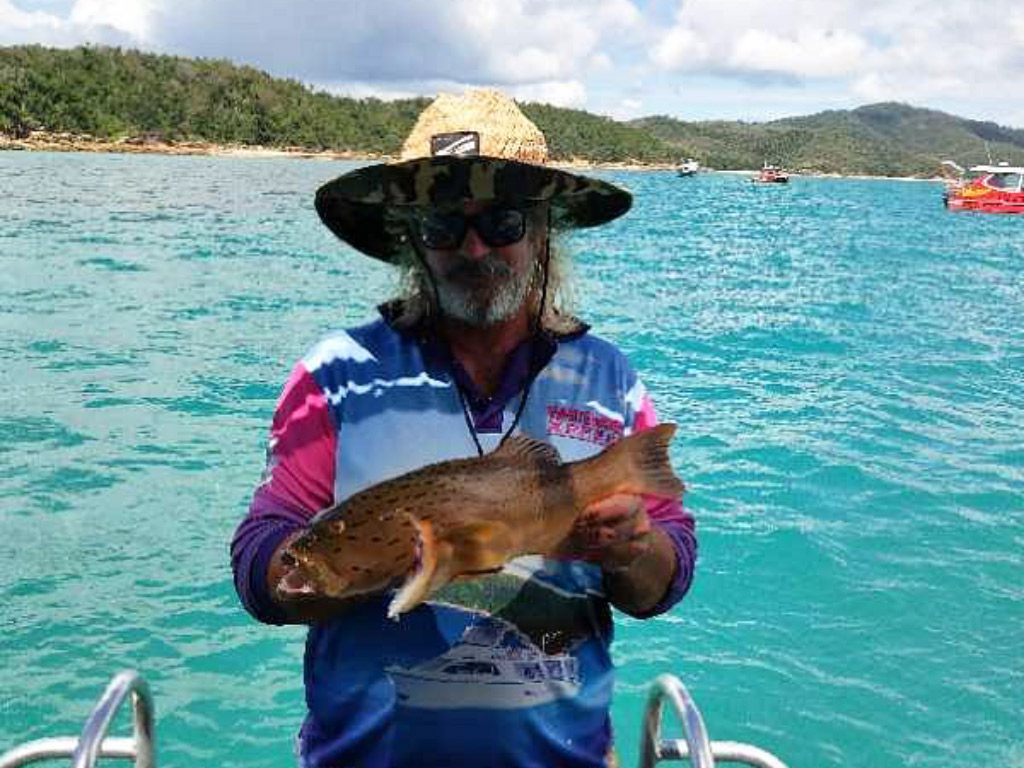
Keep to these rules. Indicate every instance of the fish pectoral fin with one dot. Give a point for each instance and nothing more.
(480, 547)
(421, 580)
(469, 548)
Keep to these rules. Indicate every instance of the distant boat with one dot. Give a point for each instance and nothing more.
(995, 189)
(771, 174)
(688, 167)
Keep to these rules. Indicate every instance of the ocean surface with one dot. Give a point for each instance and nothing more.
(845, 359)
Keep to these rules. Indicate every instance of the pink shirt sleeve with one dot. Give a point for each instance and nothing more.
(298, 482)
(301, 452)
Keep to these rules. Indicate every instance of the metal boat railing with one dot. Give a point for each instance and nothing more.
(93, 744)
(696, 746)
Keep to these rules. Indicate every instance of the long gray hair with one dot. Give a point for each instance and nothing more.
(417, 303)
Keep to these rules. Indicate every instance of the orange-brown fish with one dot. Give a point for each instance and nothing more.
(465, 517)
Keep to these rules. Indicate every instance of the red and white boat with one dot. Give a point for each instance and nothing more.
(771, 174)
(995, 189)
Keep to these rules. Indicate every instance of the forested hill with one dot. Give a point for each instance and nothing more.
(109, 93)
(879, 139)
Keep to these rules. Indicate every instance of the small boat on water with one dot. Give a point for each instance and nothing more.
(994, 189)
(771, 174)
(688, 167)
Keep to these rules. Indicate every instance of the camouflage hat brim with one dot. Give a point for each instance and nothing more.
(364, 207)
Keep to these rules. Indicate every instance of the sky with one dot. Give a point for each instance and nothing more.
(752, 60)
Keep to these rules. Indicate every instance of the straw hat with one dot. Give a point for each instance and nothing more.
(477, 146)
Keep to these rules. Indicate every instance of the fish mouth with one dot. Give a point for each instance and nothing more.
(307, 576)
(297, 581)
(295, 584)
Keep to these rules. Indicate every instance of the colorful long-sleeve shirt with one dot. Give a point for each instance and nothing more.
(511, 669)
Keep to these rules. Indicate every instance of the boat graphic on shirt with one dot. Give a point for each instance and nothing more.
(492, 666)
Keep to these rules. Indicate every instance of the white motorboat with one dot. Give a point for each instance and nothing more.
(688, 167)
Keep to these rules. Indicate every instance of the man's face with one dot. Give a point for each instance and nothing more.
(478, 283)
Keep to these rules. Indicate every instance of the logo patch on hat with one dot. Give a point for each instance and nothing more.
(458, 144)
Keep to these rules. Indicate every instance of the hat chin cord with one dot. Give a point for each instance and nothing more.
(538, 327)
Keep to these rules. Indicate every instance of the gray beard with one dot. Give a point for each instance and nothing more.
(466, 305)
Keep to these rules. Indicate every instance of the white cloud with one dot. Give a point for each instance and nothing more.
(509, 42)
(810, 53)
(528, 46)
(17, 26)
(918, 51)
(568, 93)
(530, 64)
(44, 27)
(873, 87)
(620, 15)
(965, 56)
(561, 93)
(790, 38)
(627, 109)
(600, 62)
(681, 48)
(1015, 23)
(131, 17)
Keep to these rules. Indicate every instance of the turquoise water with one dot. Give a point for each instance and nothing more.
(845, 359)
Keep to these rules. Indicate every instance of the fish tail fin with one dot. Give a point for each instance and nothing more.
(636, 464)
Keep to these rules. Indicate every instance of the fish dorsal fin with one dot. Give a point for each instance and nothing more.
(528, 449)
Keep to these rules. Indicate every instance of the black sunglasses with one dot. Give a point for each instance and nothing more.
(497, 226)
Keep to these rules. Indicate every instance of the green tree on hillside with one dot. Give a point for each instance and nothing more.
(110, 93)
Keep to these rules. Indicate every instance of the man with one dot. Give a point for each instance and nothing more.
(513, 668)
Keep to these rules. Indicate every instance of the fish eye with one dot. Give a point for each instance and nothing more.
(288, 560)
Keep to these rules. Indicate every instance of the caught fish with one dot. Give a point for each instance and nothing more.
(465, 517)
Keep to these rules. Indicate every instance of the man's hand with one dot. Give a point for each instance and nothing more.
(612, 533)
(638, 559)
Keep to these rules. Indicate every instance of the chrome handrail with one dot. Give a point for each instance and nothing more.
(56, 747)
(98, 724)
(726, 752)
(93, 743)
(701, 752)
(651, 746)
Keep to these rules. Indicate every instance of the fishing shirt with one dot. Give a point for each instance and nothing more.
(509, 669)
